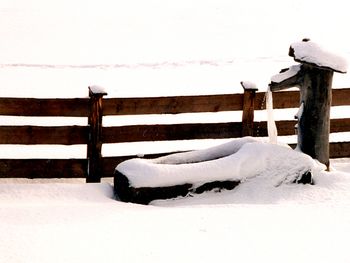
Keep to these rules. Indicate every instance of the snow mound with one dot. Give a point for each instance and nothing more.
(237, 160)
(309, 52)
(248, 85)
(286, 74)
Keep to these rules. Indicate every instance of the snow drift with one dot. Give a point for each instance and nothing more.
(235, 161)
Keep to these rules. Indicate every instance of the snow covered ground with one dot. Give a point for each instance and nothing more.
(256, 222)
(154, 48)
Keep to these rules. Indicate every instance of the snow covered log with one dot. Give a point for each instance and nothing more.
(314, 78)
(221, 167)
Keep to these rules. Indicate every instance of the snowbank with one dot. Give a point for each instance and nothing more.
(237, 160)
(256, 222)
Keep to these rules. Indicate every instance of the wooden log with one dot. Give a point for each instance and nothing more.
(65, 135)
(144, 195)
(94, 155)
(44, 107)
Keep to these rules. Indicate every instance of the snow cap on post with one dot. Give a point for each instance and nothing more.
(94, 89)
(308, 52)
(247, 85)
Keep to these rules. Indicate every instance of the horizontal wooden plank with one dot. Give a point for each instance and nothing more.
(284, 128)
(340, 125)
(172, 105)
(341, 97)
(290, 99)
(65, 135)
(43, 168)
(281, 100)
(339, 150)
(69, 135)
(78, 107)
(135, 133)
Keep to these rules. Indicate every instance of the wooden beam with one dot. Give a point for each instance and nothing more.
(43, 168)
(339, 149)
(172, 105)
(136, 133)
(281, 100)
(65, 135)
(341, 97)
(44, 107)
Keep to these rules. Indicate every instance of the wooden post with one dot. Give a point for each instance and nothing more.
(314, 78)
(94, 155)
(248, 108)
(314, 122)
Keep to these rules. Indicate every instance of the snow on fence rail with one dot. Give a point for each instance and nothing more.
(94, 166)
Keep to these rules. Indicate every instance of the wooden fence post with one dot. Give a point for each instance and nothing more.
(248, 108)
(94, 155)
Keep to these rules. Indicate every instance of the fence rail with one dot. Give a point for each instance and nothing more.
(94, 166)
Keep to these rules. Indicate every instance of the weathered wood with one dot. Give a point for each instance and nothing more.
(284, 128)
(281, 100)
(172, 105)
(339, 149)
(340, 125)
(65, 135)
(162, 132)
(290, 99)
(314, 123)
(144, 195)
(341, 97)
(44, 107)
(248, 112)
(94, 146)
(43, 168)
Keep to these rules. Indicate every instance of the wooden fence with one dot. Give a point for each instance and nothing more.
(94, 134)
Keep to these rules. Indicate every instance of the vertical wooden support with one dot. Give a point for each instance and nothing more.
(248, 109)
(314, 123)
(94, 147)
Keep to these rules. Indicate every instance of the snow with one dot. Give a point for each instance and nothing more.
(271, 125)
(257, 222)
(248, 85)
(237, 160)
(300, 111)
(97, 89)
(312, 53)
(163, 48)
(290, 72)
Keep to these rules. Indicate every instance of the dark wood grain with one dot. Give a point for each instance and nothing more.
(44, 107)
(65, 135)
(172, 105)
(43, 168)
(135, 133)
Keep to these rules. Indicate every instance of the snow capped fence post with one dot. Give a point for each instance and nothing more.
(314, 77)
(94, 155)
(248, 108)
